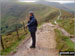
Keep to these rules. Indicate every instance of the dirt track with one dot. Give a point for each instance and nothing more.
(45, 46)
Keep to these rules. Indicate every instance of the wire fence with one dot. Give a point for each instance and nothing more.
(9, 39)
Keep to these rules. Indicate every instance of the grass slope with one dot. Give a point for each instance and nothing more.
(15, 13)
(11, 41)
(67, 21)
(63, 42)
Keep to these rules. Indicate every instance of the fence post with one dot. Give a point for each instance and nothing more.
(17, 33)
(24, 28)
(2, 42)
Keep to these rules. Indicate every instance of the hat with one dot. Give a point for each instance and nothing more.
(30, 11)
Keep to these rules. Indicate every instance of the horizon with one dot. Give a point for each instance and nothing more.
(61, 2)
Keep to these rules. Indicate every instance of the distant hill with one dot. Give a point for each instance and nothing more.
(67, 6)
(15, 13)
(70, 6)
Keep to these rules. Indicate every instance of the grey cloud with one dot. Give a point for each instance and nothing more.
(60, 0)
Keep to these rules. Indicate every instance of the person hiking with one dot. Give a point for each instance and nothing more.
(32, 27)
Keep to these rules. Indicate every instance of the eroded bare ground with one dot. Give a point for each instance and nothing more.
(46, 44)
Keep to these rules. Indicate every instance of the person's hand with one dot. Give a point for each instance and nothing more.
(27, 18)
(26, 25)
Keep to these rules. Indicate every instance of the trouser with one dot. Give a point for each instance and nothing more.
(33, 35)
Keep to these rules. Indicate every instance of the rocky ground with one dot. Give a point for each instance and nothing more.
(45, 44)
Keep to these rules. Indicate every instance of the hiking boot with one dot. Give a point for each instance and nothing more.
(32, 46)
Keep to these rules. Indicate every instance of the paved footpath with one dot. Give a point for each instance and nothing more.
(45, 43)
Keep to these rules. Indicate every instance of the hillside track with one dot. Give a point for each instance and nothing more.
(45, 43)
(61, 29)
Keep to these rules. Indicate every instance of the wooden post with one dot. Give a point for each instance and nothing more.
(2, 42)
(17, 33)
(24, 26)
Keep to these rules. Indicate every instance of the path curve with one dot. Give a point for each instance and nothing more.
(63, 30)
(58, 17)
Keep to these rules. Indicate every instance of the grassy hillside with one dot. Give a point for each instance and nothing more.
(63, 42)
(14, 13)
(67, 21)
(11, 41)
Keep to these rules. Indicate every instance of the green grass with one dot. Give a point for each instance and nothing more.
(12, 47)
(67, 24)
(63, 42)
(11, 41)
(66, 21)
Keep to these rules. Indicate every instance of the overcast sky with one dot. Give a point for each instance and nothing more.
(50, 0)
(60, 1)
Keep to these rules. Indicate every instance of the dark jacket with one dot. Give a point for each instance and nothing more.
(32, 24)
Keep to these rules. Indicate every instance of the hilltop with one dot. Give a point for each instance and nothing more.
(14, 13)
